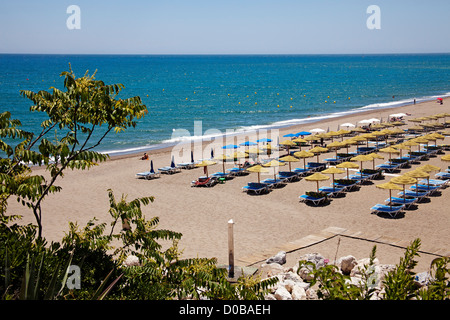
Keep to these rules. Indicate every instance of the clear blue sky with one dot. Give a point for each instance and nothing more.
(227, 26)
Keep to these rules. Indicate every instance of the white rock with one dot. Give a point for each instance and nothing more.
(272, 269)
(298, 293)
(279, 258)
(131, 260)
(347, 264)
(289, 285)
(282, 294)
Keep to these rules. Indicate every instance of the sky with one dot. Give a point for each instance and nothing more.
(224, 27)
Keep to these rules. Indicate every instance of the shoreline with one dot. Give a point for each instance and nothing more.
(163, 148)
(261, 222)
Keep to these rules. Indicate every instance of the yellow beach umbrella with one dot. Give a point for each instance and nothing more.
(389, 186)
(274, 164)
(404, 180)
(317, 176)
(446, 157)
(258, 169)
(224, 158)
(288, 144)
(289, 159)
(347, 165)
(389, 150)
(335, 145)
(361, 158)
(205, 164)
(428, 168)
(333, 171)
(299, 142)
(417, 173)
(374, 156)
(303, 154)
(317, 150)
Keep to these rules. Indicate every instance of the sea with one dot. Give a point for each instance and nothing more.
(221, 94)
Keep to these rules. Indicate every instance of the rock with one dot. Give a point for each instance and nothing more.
(271, 269)
(289, 285)
(347, 264)
(282, 294)
(279, 258)
(316, 258)
(298, 293)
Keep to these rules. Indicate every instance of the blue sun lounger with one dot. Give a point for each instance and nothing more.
(288, 176)
(388, 167)
(301, 171)
(400, 200)
(274, 183)
(391, 210)
(443, 175)
(256, 188)
(314, 198)
(332, 192)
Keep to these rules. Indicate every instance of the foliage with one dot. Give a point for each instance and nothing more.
(398, 284)
(74, 115)
(333, 285)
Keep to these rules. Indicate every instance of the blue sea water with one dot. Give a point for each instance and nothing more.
(230, 91)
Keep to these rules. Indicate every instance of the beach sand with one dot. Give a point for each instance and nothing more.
(261, 223)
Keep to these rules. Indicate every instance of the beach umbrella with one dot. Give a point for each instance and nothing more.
(258, 169)
(205, 164)
(347, 165)
(317, 130)
(274, 164)
(288, 144)
(303, 133)
(358, 129)
(290, 135)
(224, 158)
(400, 147)
(361, 158)
(335, 145)
(317, 150)
(389, 150)
(404, 180)
(348, 125)
(264, 140)
(230, 146)
(446, 157)
(389, 186)
(289, 159)
(417, 173)
(420, 140)
(317, 176)
(299, 141)
(303, 154)
(248, 143)
(333, 171)
(375, 156)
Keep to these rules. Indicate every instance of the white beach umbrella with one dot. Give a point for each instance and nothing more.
(316, 130)
(347, 124)
(374, 120)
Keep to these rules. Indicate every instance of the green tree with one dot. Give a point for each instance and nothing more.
(85, 107)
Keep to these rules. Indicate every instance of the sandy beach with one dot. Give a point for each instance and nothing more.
(261, 222)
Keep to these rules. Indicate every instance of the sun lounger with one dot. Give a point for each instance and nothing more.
(256, 188)
(316, 166)
(418, 194)
(148, 174)
(407, 202)
(314, 198)
(332, 192)
(391, 210)
(237, 171)
(301, 171)
(347, 184)
(388, 167)
(274, 183)
(221, 175)
(186, 165)
(443, 175)
(435, 182)
(204, 182)
(288, 176)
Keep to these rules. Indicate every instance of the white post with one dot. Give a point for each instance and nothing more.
(230, 248)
